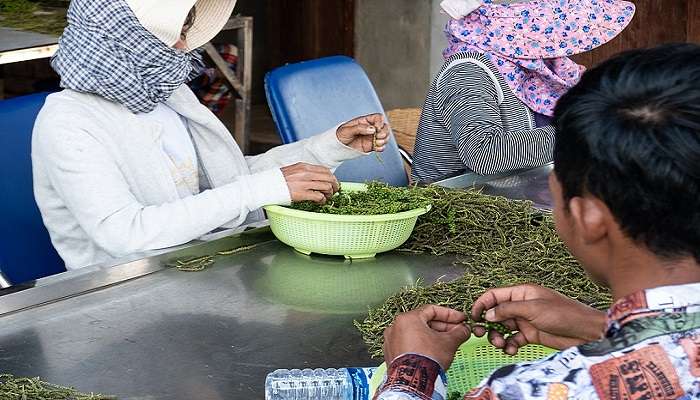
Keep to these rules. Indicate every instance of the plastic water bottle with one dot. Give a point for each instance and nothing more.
(319, 384)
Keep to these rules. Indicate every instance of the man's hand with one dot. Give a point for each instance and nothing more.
(432, 331)
(540, 315)
(360, 133)
(310, 182)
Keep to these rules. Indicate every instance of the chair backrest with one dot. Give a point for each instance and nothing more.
(26, 252)
(310, 97)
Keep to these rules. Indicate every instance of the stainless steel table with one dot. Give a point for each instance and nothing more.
(531, 184)
(17, 45)
(142, 330)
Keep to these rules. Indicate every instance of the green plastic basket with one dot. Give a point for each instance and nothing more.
(352, 236)
(475, 360)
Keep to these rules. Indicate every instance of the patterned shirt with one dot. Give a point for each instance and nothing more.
(651, 350)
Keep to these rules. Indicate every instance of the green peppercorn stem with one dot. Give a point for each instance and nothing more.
(17, 388)
(378, 199)
(500, 242)
(454, 396)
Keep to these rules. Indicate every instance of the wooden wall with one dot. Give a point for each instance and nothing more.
(656, 22)
(300, 30)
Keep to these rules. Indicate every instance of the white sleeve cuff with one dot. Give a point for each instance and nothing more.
(266, 188)
(327, 148)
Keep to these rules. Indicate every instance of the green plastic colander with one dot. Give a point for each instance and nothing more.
(475, 360)
(352, 236)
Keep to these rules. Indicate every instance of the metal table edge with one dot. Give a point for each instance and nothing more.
(76, 283)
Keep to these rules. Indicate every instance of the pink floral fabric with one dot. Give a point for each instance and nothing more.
(530, 42)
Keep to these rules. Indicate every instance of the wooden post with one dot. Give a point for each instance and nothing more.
(245, 75)
(694, 21)
(241, 82)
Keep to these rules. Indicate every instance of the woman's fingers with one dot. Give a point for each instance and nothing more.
(308, 195)
(324, 187)
(308, 182)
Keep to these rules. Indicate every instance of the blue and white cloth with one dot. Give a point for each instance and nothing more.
(104, 50)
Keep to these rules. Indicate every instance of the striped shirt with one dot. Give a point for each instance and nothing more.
(471, 124)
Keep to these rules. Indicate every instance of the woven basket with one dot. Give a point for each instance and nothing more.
(404, 124)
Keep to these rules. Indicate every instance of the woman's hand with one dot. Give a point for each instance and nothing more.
(540, 315)
(432, 331)
(308, 182)
(359, 133)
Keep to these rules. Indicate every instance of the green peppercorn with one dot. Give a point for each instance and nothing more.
(500, 242)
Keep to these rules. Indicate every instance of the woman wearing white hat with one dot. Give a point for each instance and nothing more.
(127, 160)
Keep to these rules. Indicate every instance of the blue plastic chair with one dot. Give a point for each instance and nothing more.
(310, 97)
(26, 252)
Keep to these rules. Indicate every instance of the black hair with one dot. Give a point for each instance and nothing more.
(189, 21)
(629, 134)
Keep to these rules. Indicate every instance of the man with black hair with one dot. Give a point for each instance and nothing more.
(626, 189)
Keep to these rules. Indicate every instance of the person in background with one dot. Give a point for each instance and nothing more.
(506, 65)
(626, 185)
(126, 159)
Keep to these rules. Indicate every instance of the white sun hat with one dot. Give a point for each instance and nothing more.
(164, 19)
(458, 9)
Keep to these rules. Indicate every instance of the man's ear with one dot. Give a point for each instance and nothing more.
(590, 217)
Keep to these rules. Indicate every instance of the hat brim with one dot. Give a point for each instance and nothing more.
(551, 28)
(212, 16)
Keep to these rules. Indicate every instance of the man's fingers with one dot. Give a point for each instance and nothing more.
(510, 324)
(514, 343)
(443, 314)
(458, 334)
(479, 331)
(494, 297)
(513, 310)
(441, 326)
(387, 356)
(490, 299)
(496, 339)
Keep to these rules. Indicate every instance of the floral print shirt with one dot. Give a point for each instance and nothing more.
(650, 350)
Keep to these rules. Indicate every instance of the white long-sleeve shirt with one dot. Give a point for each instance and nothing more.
(104, 186)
